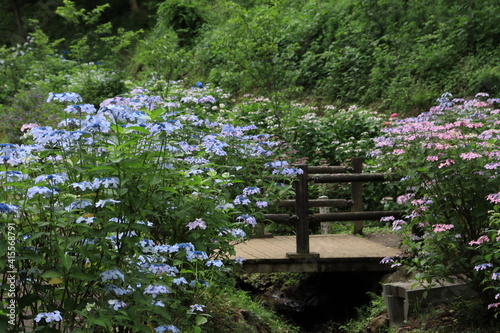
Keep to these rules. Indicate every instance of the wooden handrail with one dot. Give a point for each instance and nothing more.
(330, 174)
(319, 203)
(359, 177)
(336, 217)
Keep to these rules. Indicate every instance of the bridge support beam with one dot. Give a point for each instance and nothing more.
(302, 211)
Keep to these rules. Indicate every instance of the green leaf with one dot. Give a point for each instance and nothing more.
(121, 191)
(35, 258)
(51, 274)
(67, 261)
(155, 113)
(200, 320)
(131, 129)
(99, 322)
(102, 168)
(83, 277)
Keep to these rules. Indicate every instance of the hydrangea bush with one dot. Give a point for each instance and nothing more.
(449, 159)
(125, 215)
(320, 135)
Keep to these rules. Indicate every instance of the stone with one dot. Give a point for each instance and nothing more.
(379, 322)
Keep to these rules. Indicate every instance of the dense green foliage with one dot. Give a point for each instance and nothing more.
(394, 54)
(389, 54)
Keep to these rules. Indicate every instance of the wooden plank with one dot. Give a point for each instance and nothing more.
(328, 246)
(337, 253)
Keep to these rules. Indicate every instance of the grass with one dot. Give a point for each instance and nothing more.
(235, 311)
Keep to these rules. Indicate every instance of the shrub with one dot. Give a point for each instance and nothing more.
(448, 158)
(125, 217)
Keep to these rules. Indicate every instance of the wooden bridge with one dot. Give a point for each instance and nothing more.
(323, 253)
(329, 253)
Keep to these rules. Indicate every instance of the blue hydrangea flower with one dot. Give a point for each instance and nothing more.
(251, 190)
(117, 290)
(83, 185)
(112, 274)
(158, 303)
(207, 99)
(116, 304)
(216, 263)
(65, 97)
(102, 203)
(87, 219)
(80, 108)
(166, 328)
(196, 160)
(238, 233)
(239, 260)
(191, 255)
(482, 266)
(247, 219)
(155, 290)
(184, 246)
(42, 190)
(80, 204)
(179, 281)
(163, 269)
(276, 164)
(189, 99)
(52, 179)
(6, 208)
(96, 123)
(49, 316)
(13, 176)
(241, 200)
(199, 281)
(107, 182)
(196, 307)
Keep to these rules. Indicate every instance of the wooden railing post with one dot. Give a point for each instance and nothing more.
(357, 193)
(302, 211)
(325, 226)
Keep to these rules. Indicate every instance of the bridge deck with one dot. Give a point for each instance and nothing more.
(338, 252)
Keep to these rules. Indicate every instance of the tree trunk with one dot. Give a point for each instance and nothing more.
(17, 14)
(134, 5)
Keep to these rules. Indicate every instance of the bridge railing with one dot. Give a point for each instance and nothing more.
(330, 174)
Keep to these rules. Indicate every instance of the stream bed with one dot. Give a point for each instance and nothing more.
(316, 302)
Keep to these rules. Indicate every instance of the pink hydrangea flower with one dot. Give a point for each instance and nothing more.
(442, 227)
(197, 223)
(446, 163)
(28, 126)
(494, 198)
(402, 199)
(480, 240)
(470, 156)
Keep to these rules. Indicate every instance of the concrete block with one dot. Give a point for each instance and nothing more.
(402, 298)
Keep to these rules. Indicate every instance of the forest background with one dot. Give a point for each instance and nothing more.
(390, 55)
